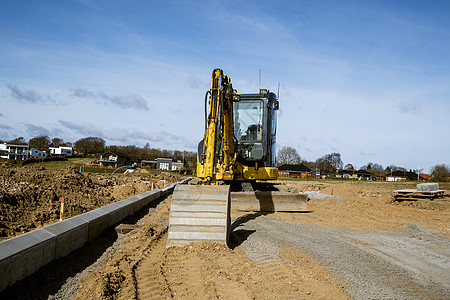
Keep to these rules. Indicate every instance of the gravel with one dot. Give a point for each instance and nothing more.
(412, 263)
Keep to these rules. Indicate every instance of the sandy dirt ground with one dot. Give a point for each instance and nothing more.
(30, 196)
(262, 260)
(369, 205)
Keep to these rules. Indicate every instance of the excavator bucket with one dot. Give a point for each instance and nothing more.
(269, 201)
(199, 213)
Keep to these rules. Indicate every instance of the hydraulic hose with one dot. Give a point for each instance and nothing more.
(206, 109)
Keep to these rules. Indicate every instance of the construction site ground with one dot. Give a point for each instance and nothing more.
(354, 242)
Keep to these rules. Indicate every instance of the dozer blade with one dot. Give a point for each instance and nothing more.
(199, 213)
(269, 201)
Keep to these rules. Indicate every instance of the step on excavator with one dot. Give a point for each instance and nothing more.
(235, 162)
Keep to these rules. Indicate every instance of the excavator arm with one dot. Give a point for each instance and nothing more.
(216, 161)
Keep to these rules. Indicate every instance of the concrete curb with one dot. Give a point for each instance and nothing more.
(22, 255)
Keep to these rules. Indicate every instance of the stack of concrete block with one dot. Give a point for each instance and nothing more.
(427, 187)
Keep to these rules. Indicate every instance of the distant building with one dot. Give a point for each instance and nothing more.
(406, 176)
(164, 163)
(35, 153)
(115, 159)
(61, 151)
(347, 174)
(16, 152)
(295, 171)
(363, 174)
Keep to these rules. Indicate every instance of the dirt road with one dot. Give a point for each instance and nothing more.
(412, 263)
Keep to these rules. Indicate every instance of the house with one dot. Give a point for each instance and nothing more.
(35, 153)
(115, 159)
(347, 174)
(165, 163)
(171, 164)
(295, 171)
(424, 177)
(363, 174)
(61, 151)
(16, 152)
(400, 175)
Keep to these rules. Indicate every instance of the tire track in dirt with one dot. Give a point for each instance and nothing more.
(150, 281)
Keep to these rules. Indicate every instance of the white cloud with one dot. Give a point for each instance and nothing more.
(28, 96)
(132, 101)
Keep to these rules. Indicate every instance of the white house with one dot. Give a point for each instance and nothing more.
(35, 153)
(61, 151)
(18, 152)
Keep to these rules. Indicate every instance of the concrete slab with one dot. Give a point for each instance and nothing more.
(168, 190)
(23, 255)
(427, 187)
(98, 222)
(150, 196)
(115, 212)
(70, 234)
(131, 205)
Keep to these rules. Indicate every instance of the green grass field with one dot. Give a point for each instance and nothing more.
(61, 165)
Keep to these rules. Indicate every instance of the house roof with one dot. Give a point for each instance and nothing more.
(294, 168)
(132, 158)
(115, 153)
(363, 173)
(342, 172)
(404, 174)
(425, 176)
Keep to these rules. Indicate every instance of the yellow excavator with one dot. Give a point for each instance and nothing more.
(235, 160)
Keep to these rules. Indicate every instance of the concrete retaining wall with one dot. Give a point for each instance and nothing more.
(24, 254)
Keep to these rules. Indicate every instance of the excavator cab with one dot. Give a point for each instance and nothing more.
(255, 122)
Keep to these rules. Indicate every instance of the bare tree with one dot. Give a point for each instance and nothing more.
(90, 145)
(374, 168)
(330, 162)
(56, 142)
(440, 173)
(18, 141)
(349, 167)
(288, 155)
(40, 142)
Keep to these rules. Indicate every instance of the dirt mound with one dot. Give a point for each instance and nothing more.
(30, 196)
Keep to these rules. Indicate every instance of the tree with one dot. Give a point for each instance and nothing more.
(349, 167)
(18, 141)
(373, 168)
(440, 173)
(56, 142)
(39, 142)
(330, 162)
(288, 155)
(393, 168)
(90, 145)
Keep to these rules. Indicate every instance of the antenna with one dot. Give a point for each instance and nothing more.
(278, 93)
(260, 78)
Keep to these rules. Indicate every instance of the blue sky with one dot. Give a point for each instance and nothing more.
(367, 79)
